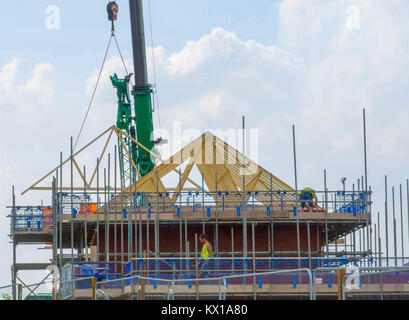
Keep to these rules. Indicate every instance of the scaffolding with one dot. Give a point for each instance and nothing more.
(256, 222)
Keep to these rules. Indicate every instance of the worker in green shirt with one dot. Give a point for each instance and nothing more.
(206, 253)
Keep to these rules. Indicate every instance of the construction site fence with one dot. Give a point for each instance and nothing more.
(392, 283)
(24, 291)
(169, 289)
(185, 268)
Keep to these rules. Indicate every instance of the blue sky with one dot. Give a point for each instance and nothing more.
(314, 64)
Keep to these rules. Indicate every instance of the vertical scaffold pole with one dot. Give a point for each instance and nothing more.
(98, 212)
(379, 241)
(216, 240)
(407, 198)
(72, 206)
(366, 179)
(106, 213)
(296, 199)
(157, 215)
(108, 205)
(401, 224)
(55, 222)
(13, 226)
(86, 219)
(272, 216)
(326, 211)
(203, 208)
(60, 214)
(386, 221)
(115, 207)
(395, 247)
(130, 213)
(244, 213)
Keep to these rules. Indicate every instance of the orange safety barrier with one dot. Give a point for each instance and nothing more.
(86, 208)
(48, 216)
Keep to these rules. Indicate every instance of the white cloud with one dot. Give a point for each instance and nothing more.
(37, 92)
(222, 45)
(8, 75)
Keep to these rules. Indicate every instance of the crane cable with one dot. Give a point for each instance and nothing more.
(98, 80)
(95, 90)
(126, 70)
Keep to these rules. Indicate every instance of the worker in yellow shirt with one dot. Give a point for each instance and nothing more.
(206, 253)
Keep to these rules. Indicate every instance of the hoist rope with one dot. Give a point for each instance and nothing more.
(95, 90)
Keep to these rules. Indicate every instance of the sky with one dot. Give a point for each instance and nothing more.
(314, 64)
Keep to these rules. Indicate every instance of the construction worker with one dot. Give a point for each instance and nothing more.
(307, 197)
(206, 253)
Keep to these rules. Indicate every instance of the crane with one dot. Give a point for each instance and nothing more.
(137, 121)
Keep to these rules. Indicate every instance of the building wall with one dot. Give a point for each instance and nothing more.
(285, 238)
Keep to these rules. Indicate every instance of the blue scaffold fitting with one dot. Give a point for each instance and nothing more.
(124, 213)
(295, 211)
(238, 211)
(209, 212)
(178, 210)
(260, 282)
(268, 211)
(149, 213)
(294, 282)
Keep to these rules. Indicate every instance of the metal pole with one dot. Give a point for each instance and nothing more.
(375, 246)
(216, 242)
(157, 215)
(309, 244)
(296, 198)
(401, 223)
(180, 217)
(203, 209)
(86, 222)
(137, 204)
(244, 220)
(13, 225)
(98, 212)
(61, 215)
(326, 211)
(394, 228)
(407, 197)
(232, 248)
(115, 206)
(55, 217)
(196, 267)
(253, 240)
(72, 206)
(386, 221)
(272, 216)
(106, 213)
(366, 178)
(130, 214)
(379, 242)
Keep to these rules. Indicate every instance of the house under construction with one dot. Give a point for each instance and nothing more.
(122, 231)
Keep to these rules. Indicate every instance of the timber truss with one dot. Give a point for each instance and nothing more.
(222, 167)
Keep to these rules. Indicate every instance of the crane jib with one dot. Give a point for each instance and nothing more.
(137, 121)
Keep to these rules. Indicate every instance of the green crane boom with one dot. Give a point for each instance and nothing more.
(139, 126)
